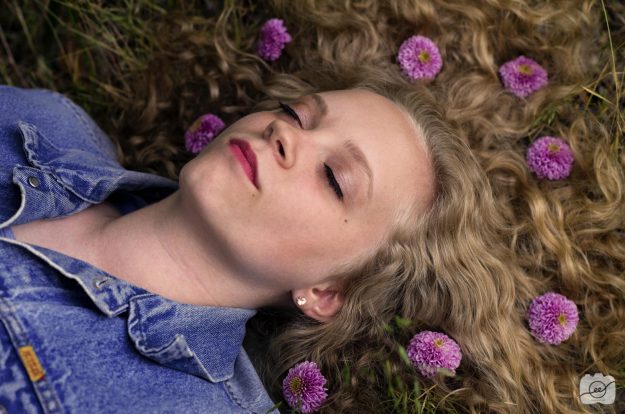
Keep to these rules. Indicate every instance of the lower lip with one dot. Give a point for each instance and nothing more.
(238, 154)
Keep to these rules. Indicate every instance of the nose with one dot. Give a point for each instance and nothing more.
(283, 139)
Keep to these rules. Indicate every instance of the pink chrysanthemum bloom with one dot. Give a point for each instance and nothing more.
(523, 76)
(430, 351)
(303, 387)
(202, 132)
(552, 318)
(550, 158)
(273, 38)
(419, 58)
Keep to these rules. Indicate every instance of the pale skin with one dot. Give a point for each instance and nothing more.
(220, 241)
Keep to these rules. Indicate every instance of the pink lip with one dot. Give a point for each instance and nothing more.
(243, 152)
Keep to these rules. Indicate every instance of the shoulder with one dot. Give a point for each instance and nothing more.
(65, 123)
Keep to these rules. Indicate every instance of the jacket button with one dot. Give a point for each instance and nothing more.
(33, 181)
(99, 283)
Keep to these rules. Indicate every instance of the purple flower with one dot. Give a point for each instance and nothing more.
(550, 157)
(273, 38)
(430, 351)
(523, 76)
(303, 387)
(202, 131)
(552, 318)
(419, 58)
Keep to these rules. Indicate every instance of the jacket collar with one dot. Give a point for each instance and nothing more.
(206, 343)
(201, 340)
(90, 175)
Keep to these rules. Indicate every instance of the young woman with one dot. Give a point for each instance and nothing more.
(365, 218)
(173, 280)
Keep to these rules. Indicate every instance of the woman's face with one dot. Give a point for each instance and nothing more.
(300, 225)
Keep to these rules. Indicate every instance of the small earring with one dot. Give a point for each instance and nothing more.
(300, 300)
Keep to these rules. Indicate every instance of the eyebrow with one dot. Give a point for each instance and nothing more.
(352, 149)
(357, 155)
(322, 107)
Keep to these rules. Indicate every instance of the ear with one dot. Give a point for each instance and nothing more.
(323, 301)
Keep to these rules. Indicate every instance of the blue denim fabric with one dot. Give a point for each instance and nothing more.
(74, 338)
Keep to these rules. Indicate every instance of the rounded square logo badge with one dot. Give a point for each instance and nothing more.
(597, 388)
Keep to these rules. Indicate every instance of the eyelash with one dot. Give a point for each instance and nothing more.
(291, 112)
(332, 182)
(328, 171)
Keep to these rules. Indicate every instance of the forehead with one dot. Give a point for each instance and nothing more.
(361, 109)
(390, 139)
(366, 101)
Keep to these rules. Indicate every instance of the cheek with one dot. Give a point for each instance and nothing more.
(250, 125)
(294, 238)
(288, 218)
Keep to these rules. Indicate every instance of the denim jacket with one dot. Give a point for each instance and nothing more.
(74, 338)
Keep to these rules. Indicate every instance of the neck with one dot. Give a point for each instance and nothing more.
(160, 249)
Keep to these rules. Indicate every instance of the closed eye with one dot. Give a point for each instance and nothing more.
(291, 112)
(333, 183)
